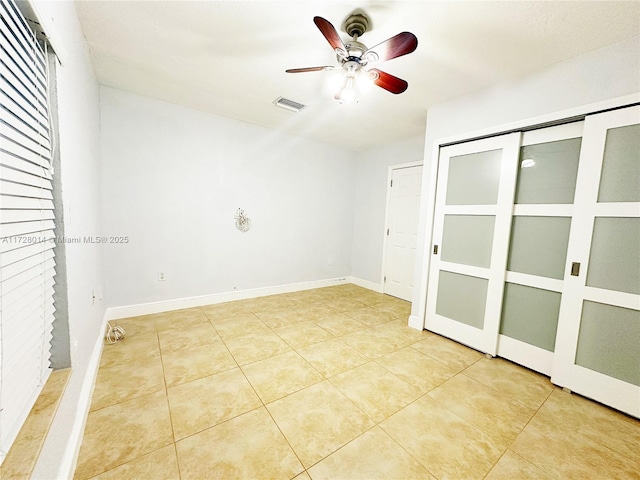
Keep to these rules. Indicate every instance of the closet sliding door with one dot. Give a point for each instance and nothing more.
(474, 198)
(597, 350)
(542, 211)
(536, 252)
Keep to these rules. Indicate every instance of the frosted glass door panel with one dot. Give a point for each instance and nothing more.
(620, 180)
(539, 246)
(468, 239)
(609, 341)
(597, 350)
(462, 298)
(546, 186)
(614, 261)
(530, 315)
(548, 171)
(474, 178)
(471, 226)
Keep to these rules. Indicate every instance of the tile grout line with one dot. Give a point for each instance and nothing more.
(512, 401)
(140, 396)
(475, 427)
(523, 429)
(264, 405)
(294, 349)
(623, 454)
(344, 445)
(602, 445)
(402, 446)
(166, 394)
(375, 423)
(462, 372)
(520, 456)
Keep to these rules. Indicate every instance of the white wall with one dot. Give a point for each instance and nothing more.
(596, 76)
(173, 178)
(79, 131)
(370, 204)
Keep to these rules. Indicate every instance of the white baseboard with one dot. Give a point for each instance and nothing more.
(376, 287)
(415, 322)
(70, 459)
(115, 313)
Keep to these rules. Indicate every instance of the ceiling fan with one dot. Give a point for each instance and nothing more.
(354, 56)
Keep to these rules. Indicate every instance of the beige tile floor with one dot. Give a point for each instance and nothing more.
(328, 384)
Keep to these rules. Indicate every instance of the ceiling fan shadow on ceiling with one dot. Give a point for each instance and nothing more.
(354, 58)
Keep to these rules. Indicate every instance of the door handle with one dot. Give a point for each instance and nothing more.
(575, 269)
(435, 249)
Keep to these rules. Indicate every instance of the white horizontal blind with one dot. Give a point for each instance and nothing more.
(26, 223)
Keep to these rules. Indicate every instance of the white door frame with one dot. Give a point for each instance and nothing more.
(418, 317)
(390, 170)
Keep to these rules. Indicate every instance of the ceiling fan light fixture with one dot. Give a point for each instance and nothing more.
(349, 90)
(354, 81)
(366, 81)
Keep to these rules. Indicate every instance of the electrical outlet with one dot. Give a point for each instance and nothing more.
(330, 261)
(161, 277)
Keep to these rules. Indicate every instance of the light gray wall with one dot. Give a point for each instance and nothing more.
(596, 76)
(173, 178)
(370, 204)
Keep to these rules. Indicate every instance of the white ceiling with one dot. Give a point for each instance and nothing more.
(229, 57)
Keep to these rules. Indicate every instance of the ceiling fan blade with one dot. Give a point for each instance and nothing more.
(330, 33)
(309, 69)
(389, 82)
(396, 46)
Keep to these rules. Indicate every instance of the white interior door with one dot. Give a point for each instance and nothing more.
(597, 351)
(543, 207)
(404, 205)
(473, 211)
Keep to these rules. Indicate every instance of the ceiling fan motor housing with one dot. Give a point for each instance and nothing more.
(354, 50)
(356, 25)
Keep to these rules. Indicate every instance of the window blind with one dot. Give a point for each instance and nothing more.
(27, 265)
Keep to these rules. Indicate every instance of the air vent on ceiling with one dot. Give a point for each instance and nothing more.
(288, 104)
